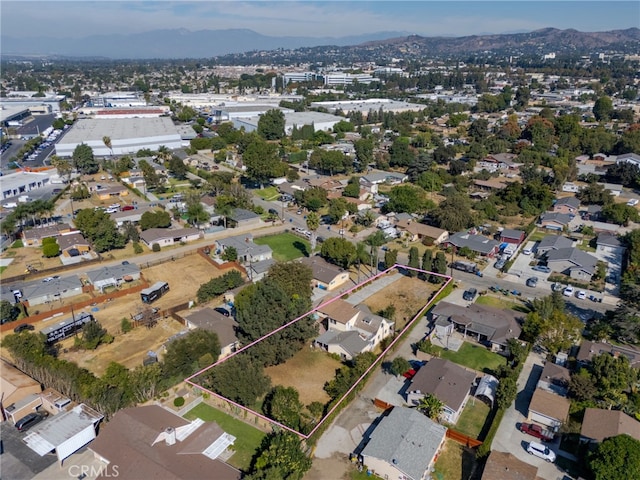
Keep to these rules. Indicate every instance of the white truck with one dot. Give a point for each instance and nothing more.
(24, 199)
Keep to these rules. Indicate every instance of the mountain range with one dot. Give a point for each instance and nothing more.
(182, 43)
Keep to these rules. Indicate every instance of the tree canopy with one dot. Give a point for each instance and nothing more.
(83, 159)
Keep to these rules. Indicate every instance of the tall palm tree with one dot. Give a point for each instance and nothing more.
(164, 153)
(431, 406)
(313, 222)
(107, 143)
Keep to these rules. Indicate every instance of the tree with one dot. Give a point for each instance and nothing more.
(439, 266)
(313, 222)
(107, 143)
(339, 251)
(63, 166)
(281, 454)
(405, 198)
(181, 358)
(283, 405)
(155, 219)
(454, 214)
(271, 125)
(50, 250)
(364, 151)
(401, 154)
(390, 258)
(83, 159)
(177, 168)
(8, 312)
(414, 261)
(97, 226)
(506, 392)
(560, 331)
(93, 334)
(603, 109)
(616, 458)
(431, 406)
(399, 365)
(352, 189)
(240, 379)
(262, 161)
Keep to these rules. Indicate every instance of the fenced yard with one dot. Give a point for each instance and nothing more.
(455, 462)
(473, 418)
(473, 356)
(285, 246)
(248, 438)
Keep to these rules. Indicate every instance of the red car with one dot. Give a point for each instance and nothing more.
(537, 431)
(128, 207)
(409, 374)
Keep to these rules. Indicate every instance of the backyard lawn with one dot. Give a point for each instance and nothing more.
(499, 302)
(285, 246)
(455, 462)
(248, 439)
(268, 193)
(473, 418)
(473, 356)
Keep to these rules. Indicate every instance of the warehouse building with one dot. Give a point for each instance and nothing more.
(369, 104)
(320, 121)
(128, 135)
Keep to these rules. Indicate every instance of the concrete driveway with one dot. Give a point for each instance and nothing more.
(509, 439)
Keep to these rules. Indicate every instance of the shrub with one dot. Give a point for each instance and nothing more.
(125, 325)
(178, 402)
(137, 248)
(50, 250)
(155, 247)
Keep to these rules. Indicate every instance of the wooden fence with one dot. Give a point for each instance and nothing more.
(463, 439)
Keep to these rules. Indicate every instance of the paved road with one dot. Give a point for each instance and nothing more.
(509, 439)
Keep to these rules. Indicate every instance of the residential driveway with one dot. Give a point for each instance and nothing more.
(509, 439)
(356, 298)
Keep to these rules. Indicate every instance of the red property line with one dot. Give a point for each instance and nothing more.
(374, 364)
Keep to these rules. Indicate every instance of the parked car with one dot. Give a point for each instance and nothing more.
(541, 268)
(557, 287)
(409, 374)
(222, 311)
(532, 282)
(537, 431)
(568, 291)
(541, 451)
(273, 211)
(28, 421)
(593, 298)
(581, 294)
(22, 327)
(500, 264)
(470, 294)
(527, 251)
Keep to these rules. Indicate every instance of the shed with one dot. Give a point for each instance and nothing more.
(487, 388)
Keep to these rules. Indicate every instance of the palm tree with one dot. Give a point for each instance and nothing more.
(164, 153)
(107, 143)
(313, 222)
(224, 210)
(431, 406)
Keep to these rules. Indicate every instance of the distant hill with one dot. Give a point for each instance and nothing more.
(181, 43)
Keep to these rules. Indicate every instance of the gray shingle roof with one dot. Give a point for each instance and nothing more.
(112, 272)
(561, 218)
(350, 341)
(576, 256)
(406, 439)
(477, 243)
(555, 242)
(446, 380)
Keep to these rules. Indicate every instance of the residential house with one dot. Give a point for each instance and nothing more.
(548, 409)
(258, 270)
(568, 205)
(512, 236)
(574, 262)
(376, 177)
(167, 236)
(113, 275)
(33, 237)
(554, 221)
(553, 242)
(416, 231)
(493, 184)
(213, 321)
(555, 379)
(592, 213)
(405, 444)
(341, 316)
(241, 218)
(73, 244)
(112, 192)
(614, 188)
(248, 252)
(447, 381)
(131, 216)
(152, 442)
(505, 466)
(570, 187)
(65, 432)
(489, 326)
(498, 161)
(326, 183)
(608, 243)
(19, 393)
(136, 182)
(39, 292)
(589, 349)
(479, 244)
(632, 158)
(599, 424)
(325, 275)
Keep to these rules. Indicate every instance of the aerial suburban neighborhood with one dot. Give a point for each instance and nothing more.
(410, 258)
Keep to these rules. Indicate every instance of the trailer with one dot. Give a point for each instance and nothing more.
(69, 326)
(154, 292)
(470, 267)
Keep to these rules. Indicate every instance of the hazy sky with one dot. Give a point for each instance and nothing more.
(310, 18)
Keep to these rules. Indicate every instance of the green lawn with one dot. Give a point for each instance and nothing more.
(473, 418)
(268, 193)
(2, 269)
(473, 356)
(17, 244)
(455, 462)
(285, 246)
(498, 302)
(537, 236)
(248, 439)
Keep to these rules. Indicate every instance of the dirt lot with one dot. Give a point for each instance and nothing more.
(307, 371)
(407, 294)
(184, 275)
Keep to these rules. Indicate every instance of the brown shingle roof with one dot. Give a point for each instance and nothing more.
(321, 269)
(127, 441)
(599, 424)
(504, 466)
(444, 379)
(71, 240)
(209, 319)
(550, 404)
(339, 310)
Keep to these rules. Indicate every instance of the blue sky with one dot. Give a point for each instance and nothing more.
(310, 18)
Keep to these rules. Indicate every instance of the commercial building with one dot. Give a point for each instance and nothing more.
(370, 104)
(128, 135)
(319, 120)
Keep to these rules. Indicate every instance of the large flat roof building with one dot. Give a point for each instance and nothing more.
(128, 135)
(370, 104)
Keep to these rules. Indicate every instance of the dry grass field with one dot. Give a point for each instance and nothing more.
(407, 294)
(307, 372)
